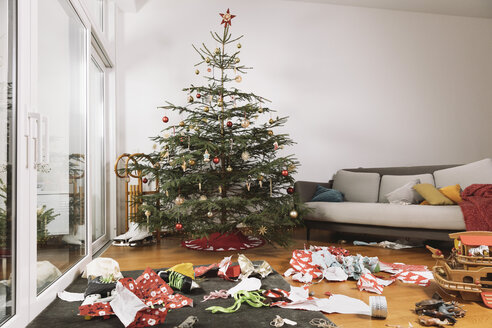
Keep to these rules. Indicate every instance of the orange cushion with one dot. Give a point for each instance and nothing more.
(452, 192)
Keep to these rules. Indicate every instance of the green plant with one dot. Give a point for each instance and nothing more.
(44, 216)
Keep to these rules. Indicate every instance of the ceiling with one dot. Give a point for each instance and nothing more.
(470, 8)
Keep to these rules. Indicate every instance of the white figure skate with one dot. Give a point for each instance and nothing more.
(122, 240)
(142, 237)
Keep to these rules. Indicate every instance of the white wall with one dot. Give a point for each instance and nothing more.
(363, 87)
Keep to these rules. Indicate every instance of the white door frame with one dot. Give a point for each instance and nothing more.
(27, 303)
(101, 241)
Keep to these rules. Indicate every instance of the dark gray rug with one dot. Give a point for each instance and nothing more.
(65, 314)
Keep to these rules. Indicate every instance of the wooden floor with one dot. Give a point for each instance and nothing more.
(401, 297)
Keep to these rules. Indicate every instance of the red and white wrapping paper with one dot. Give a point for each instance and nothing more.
(370, 283)
(135, 299)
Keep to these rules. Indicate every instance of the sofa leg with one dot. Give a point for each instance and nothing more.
(308, 233)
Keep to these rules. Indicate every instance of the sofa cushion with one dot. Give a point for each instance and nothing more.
(389, 215)
(432, 195)
(357, 187)
(323, 194)
(392, 182)
(452, 192)
(404, 195)
(465, 175)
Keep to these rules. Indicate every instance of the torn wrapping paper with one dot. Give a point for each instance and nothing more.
(227, 271)
(317, 263)
(370, 283)
(247, 284)
(398, 267)
(300, 300)
(418, 278)
(71, 297)
(386, 244)
(201, 270)
(146, 300)
(247, 268)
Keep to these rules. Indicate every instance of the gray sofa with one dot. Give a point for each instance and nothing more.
(367, 211)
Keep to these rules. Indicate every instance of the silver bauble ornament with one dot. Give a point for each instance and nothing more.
(293, 214)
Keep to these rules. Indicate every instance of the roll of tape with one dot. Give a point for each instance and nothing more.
(379, 307)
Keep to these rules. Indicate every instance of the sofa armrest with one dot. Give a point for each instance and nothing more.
(306, 189)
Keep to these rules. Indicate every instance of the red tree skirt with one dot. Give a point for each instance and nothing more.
(231, 241)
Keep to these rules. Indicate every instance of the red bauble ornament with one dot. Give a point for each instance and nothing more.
(290, 190)
(285, 173)
(165, 119)
(198, 95)
(179, 226)
(216, 160)
(229, 124)
(145, 180)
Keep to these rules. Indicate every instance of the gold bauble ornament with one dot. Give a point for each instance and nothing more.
(197, 72)
(245, 156)
(271, 121)
(179, 200)
(220, 103)
(182, 123)
(206, 109)
(238, 79)
(293, 214)
(190, 99)
(270, 132)
(239, 45)
(210, 214)
(217, 51)
(207, 60)
(237, 60)
(229, 169)
(245, 123)
(197, 128)
(191, 162)
(260, 110)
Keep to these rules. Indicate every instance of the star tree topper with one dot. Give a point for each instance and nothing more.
(227, 18)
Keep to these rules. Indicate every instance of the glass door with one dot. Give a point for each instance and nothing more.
(97, 152)
(7, 160)
(60, 140)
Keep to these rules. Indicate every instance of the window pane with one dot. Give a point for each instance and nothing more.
(7, 156)
(61, 158)
(96, 139)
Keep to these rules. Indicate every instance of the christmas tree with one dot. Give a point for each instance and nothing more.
(218, 168)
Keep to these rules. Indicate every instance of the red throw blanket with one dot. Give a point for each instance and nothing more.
(477, 207)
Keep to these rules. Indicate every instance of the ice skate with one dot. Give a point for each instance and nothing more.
(142, 237)
(123, 239)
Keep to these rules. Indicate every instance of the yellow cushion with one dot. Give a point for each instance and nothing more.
(432, 195)
(452, 192)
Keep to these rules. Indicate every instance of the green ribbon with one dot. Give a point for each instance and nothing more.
(252, 298)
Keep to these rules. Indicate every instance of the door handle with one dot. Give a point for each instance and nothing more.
(35, 135)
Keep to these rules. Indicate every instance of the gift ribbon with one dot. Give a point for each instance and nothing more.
(252, 298)
(215, 295)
